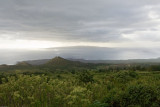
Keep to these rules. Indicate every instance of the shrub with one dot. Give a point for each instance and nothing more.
(139, 94)
(78, 96)
(85, 77)
(124, 76)
(113, 98)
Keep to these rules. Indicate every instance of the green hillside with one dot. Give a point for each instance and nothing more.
(65, 83)
(59, 61)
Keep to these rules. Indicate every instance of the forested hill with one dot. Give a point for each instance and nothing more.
(59, 61)
(50, 65)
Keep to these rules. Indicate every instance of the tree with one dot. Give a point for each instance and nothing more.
(86, 77)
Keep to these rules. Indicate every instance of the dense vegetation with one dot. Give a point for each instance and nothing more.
(78, 86)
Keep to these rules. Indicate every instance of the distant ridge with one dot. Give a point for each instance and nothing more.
(37, 62)
(59, 60)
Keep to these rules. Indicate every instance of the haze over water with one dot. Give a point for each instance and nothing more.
(90, 53)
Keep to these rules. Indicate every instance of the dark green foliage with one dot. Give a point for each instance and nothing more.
(132, 74)
(3, 78)
(99, 104)
(139, 94)
(125, 76)
(35, 73)
(154, 68)
(63, 83)
(85, 77)
(112, 99)
(61, 89)
(59, 76)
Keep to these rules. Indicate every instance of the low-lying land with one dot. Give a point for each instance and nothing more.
(64, 83)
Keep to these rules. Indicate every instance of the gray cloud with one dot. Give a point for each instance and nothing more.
(77, 20)
(101, 21)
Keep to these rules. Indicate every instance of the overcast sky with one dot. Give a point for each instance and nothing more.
(42, 24)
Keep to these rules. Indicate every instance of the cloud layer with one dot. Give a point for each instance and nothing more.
(127, 25)
(80, 20)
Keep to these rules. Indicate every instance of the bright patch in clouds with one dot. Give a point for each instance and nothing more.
(36, 45)
(27, 44)
(153, 15)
